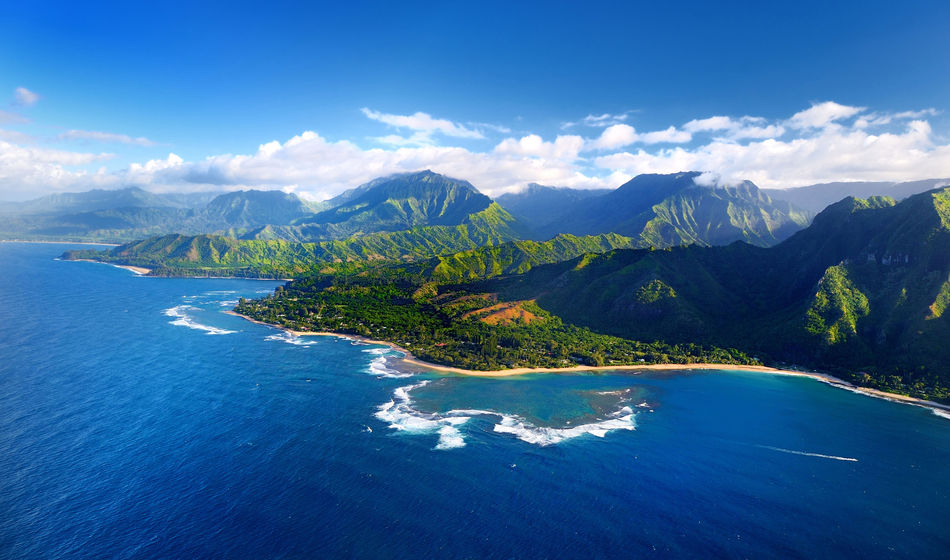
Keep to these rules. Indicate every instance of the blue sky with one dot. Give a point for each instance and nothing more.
(178, 97)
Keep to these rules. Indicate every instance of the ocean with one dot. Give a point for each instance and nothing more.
(137, 420)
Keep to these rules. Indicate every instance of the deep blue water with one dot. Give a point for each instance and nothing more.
(128, 429)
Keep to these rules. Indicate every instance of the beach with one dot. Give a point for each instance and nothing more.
(141, 271)
(822, 377)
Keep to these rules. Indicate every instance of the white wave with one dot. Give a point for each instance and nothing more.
(450, 438)
(183, 320)
(941, 413)
(219, 292)
(228, 303)
(378, 367)
(807, 454)
(401, 416)
(623, 419)
(290, 339)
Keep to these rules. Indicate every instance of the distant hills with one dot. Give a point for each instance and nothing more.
(816, 198)
(537, 204)
(666, 210)
(132, 213)
(99, 199)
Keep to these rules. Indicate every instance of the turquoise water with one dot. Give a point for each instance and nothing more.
(139, 421)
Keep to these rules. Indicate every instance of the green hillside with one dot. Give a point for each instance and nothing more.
(210, 255)
(863, 292)
(396, 203)
(864, 289)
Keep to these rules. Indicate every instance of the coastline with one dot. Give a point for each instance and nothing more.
(821, 377)
(59, 242)
(141, 271)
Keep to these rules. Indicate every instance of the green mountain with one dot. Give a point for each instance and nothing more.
(395, 203)
(211, 255)
(244, 209)
(669, 210)
(864, 289)
(816, 198)
(513, 257)
(537, 204)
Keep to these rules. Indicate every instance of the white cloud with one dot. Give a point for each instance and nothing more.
(613, 137)
(25, 97)
(669, 136)
(742, 128)
(620, 135)
(110, 137)
(423, 122)
(598, 121)
(28, 171)
(820, 115)
(882, 119)
(833, 155)
(489, 126)
(772, 153)
(563, 148)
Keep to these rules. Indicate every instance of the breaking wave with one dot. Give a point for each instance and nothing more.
(941, 413)
(182, 319)
(401, 416)
(378, 366)
(623, 419)
(290, 339)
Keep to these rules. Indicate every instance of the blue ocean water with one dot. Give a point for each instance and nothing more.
(139, 421)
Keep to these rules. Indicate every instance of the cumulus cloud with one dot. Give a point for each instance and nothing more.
(423, 122)
(613, 137)
(322, 168)
(820, 115)
(620, 135)
(110, 137)
(25, 97)
(833, 155)
(32, 171)
(742, 128)
(824, 143)
(563, 148)
(669, 136)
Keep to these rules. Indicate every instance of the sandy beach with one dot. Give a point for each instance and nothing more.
(141, 271)
(822, 377)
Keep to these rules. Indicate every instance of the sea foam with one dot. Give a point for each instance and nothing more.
(290, 339)
(378, 367)
(402, 416)
(623, 419)
(182, 319)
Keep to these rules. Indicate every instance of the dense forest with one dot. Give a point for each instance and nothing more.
(454, 326)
